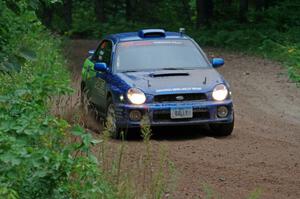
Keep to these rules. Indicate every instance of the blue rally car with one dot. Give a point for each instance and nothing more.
(165, 75)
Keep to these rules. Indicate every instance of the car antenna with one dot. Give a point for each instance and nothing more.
(205, 79)
(182, 31)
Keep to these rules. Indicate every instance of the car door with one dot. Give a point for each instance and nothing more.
(97, 83)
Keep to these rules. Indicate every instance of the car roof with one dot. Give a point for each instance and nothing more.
(138, 36)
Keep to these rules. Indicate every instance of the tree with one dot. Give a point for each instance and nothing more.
(266, 4)
(204, 12)
(186, 11)
(129, 9)
(259, 5)
(45, 13)
(67, 13)
(243, 10)
(227, 3)
(100, 10)
(262, 4)
(48, 11)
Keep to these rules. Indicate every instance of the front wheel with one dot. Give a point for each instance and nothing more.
(224, 129)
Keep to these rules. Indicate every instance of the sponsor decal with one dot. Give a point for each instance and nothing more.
(136, 43)
(148, 43)
(168, 42)
(178, 89)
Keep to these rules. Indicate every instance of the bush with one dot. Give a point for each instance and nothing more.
(275, 37)
(36, 153)
(41, 156)
(84, 20)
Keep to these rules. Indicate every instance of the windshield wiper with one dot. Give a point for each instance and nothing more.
(176, 68)
(172, 68)
(129, 71)
(156, 69)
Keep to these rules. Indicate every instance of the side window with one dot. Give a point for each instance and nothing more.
(103, 53)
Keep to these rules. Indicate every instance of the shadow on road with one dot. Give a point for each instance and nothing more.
(171, 133)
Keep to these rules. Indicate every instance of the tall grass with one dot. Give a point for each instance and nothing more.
(146, 176)
(146, 173)
(149, 174)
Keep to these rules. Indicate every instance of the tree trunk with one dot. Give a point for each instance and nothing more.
(100, 10)
(146, 11)
(210, 9)
(204, 12)
(266, 4)
(186, 11)
(129, 10)
(200, 13)
(259, 5)
(243, 10)
(227, 3)
(67, 13)
(46, 13)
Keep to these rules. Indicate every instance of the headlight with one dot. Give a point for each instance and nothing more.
(220, 92)
(136, 96)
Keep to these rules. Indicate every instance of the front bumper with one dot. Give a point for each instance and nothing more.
(204, 112)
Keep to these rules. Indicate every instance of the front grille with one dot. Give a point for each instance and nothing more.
(180, 97)
(165, 115)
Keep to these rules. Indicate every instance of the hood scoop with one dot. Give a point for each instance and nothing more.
(168, 74)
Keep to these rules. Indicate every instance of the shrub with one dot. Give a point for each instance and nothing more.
(275, 37)
(41, 156)
(37, 156)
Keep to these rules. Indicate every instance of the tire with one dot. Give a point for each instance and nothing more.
(224, 129)
(110, 120)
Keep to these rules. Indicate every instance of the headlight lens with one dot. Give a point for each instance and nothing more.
(220, 92)
(136, 96)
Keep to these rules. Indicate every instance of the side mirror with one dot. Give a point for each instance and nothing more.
(91, 52)
(217, 62)
(100, 66)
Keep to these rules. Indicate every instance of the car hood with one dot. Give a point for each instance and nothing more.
(173, 81)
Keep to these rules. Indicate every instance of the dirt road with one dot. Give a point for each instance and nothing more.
(264, 150)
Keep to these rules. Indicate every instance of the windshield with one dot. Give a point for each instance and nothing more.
(158, 55)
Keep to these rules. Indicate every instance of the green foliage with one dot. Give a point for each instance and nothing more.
(14, 23)
(41, 156)
(84, 20)
(37, 157)
(272, 32)
(150, 175)
(275, 37)
(85, 23)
